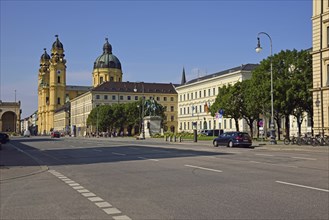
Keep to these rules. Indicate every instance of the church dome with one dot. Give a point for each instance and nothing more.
(45, 56)
(57, 44)
(107, 59)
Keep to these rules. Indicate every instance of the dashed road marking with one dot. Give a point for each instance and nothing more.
(119, 154)
(95, 199)
(98, 201)
(112, 211)
(273, 164)
(304, 158)
(144, 158)
(103, 204)
(266, 155)
(204, 168)
(303, 186)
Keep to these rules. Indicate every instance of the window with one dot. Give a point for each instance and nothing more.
(231, 123)
(47, 100)
(164, 98)
(105, 97)
(101, 80)
(158, 98)
(97, 96)
(113, 97)
(128, 97)
(200, 94)
(196, 95)
(200, 109)
(172, 99)
(213, 91)
(327, 75)
(184, 97)
(192, 95)
(204, 93)
(58, 79)
(180, 111)
(209, 124)
(208, 92)
(188, 110)
(121, 97)
(328, 36)
(188, 96)
(165, 108)
(225, 124)
(111, 79)
(172, 118)
(136, 97)
(58, 101)
(184, 111)
(171, 108)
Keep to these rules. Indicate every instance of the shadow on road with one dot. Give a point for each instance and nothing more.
(93, 154)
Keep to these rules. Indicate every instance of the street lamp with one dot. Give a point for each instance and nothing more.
(259, 49)
(143, 103)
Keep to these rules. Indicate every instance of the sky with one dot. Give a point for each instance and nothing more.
(154, 40)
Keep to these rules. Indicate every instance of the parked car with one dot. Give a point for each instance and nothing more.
(4, 138)
(55, 134)
(232, 139)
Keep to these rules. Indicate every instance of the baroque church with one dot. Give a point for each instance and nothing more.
(54, 96)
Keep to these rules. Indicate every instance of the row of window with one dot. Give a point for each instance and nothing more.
(194, 95)
(204, 125)
(121, 97)
(193, 109)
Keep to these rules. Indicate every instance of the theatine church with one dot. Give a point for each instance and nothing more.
(62, 106)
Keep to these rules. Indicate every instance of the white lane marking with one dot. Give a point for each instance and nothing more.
(83, 190)
(304, 158)
(203, 168)
(303, 186)
(267, 155)
(88, 194)
(103, 204)
(144, 158)
(95, 199)
(272, 164)
(119, 154)
(74, 184)
(112, 211)
(121, 217)
(69, 181)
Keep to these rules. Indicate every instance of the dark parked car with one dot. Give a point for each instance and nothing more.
(4, 138)
(232, 139)
(55, 134)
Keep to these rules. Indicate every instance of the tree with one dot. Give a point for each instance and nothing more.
(292, 81)
(229, 100)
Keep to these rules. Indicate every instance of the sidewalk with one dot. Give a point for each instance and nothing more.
(16, 164)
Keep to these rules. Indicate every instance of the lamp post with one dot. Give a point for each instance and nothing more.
(143, 103)
(259, 49)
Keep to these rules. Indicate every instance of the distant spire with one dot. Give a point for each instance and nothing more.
(183, 77)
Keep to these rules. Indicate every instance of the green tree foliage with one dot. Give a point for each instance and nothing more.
(119, 116)
(292, 81)
(229, 100)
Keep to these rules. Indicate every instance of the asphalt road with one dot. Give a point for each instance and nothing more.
(151, 179)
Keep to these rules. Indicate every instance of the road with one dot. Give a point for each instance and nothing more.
(124, 178)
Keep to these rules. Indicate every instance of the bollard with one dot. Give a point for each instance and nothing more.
(170, 138)
(180, 139)
(175, 138)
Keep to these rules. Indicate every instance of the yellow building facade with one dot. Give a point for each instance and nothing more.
(320, 55)
(53, 92)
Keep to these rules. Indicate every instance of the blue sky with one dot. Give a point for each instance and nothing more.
(153, 40)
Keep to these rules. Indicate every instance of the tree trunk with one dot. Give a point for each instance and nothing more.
(287, 126)
(236, 123)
